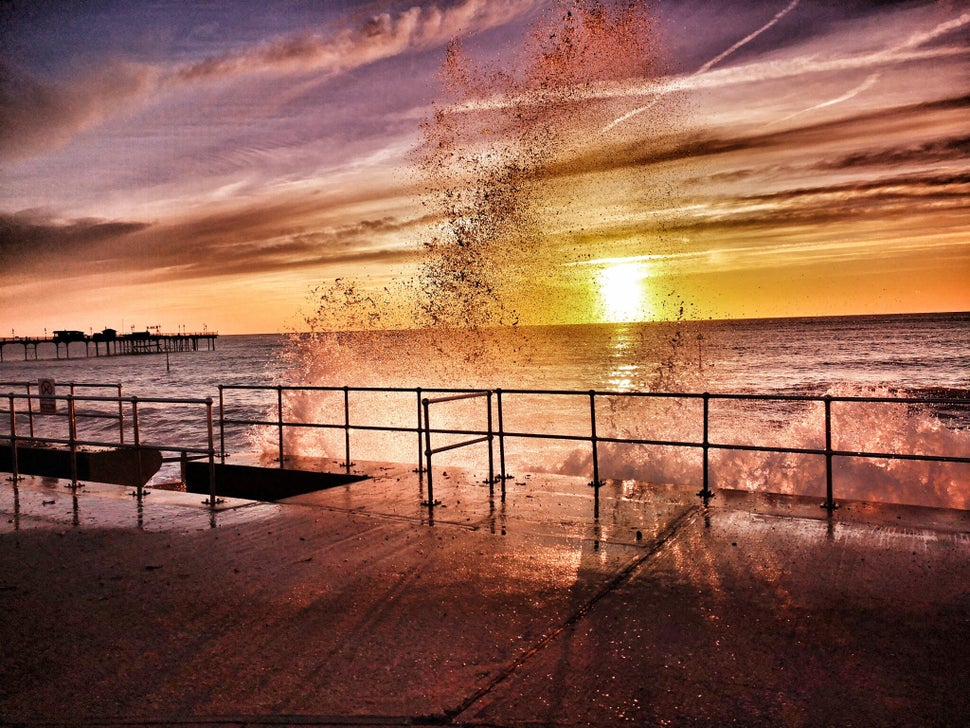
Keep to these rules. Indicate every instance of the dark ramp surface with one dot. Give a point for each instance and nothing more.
(348, 607)
(262, 484)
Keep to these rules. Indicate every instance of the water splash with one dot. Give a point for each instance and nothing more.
(499, 182)
(504, 156)
(859, 427)
(501, 176)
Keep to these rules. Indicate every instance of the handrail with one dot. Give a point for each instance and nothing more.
(498, 399)
(482, 437)
(73, 441)
(72, 388)
(497, 405)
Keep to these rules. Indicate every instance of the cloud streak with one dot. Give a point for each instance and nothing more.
(909, 50)
(38, 116)
(257, 239)
(708, 65)
(379, 37)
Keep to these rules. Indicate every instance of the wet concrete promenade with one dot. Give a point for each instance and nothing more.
(347, 607)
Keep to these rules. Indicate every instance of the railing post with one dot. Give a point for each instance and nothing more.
(347, 428)
(30, 410)
(136, 434)
(829, 503)
(279, 419)
(491, 459)
(15, 475)
(420, 448)
(705, 491)
(212, 453)
(222, 425)
(427, 450)
(72, 436)
(596, 464)
(121, 418)
(501, 440)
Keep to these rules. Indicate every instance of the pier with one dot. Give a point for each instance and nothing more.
(110, 343)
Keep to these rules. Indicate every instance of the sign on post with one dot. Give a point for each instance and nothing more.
(48, 405)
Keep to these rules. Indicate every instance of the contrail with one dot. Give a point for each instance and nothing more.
(747, 39)
(918, 39)
(907, 50)
(714, 61)
(914, 41)
(832, 102)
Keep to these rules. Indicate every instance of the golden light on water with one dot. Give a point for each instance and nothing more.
(623, 292)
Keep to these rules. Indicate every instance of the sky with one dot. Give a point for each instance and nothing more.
(211, 165)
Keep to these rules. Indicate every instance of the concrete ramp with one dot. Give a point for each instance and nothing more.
(262, 484)
(121, 466)
(353, 607)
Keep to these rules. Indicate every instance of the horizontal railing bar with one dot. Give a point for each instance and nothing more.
(60, 414)
(324, 426)
(601, 393)
(92, 385)
(126, 398)
(116, 445)
(170, 448)
(201, 456)
(330, 388)
(355, 428)
(456, 445)
(456, 397)
(837, 453)
(739, 396)
(546, 436)
(899, 400)
(900, 456)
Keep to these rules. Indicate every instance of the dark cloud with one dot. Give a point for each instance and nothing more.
(25, 238)
(40, 116)
(934, 151)
(663, 149)
(884, 199)
(254, 240)
(227, 254)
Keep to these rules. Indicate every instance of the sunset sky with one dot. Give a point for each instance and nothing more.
(209, 164)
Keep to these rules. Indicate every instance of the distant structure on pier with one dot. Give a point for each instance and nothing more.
(110, 343)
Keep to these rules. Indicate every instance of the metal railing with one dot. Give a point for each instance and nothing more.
(497, 403)
(70, 414)
(477, 438)
(73, 388)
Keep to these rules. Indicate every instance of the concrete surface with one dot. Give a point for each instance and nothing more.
(352, 607)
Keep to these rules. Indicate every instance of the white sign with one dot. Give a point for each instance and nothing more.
(48, 405)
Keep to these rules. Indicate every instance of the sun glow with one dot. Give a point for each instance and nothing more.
(623, 292)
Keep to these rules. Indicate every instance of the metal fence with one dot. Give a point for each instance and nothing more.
(27, 410)
(53, 420)
(495, 433)
(44, 399)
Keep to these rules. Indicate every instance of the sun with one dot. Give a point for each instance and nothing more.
(623, 292)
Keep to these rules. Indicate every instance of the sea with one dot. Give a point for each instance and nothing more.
(547, 375)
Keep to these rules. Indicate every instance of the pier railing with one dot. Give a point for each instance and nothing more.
(498, 409)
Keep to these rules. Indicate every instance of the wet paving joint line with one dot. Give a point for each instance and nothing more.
(663, 538)
(423, 520)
